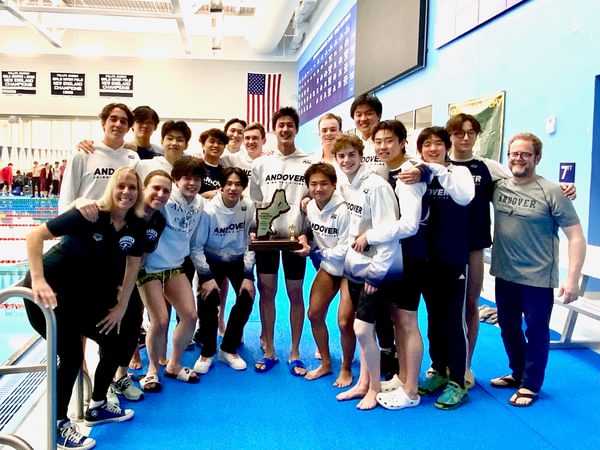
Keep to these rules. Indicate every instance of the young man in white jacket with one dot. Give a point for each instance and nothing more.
(390, 140)
(371, 203)
(87, 174)
(329, 219)
(282, 170)
(220, 251)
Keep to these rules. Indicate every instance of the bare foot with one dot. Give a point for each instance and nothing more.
(317, 373)
(344, 379)
(369, 401)
(523, 397)
(136, 360)
(163, 361)
(356, 391)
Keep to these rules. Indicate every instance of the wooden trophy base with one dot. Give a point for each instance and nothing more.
(263, 245)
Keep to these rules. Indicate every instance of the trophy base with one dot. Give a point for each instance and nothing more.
(258, 245)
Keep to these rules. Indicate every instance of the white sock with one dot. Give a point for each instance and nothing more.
(95, 404)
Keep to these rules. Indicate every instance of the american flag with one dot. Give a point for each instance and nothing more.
(263, 97)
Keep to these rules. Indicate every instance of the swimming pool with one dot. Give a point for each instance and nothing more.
(18, 215)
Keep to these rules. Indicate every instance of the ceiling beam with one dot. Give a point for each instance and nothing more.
(52, 37)
(182, 15)
(94, 11)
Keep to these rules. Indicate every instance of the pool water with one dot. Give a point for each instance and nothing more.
(18, 215)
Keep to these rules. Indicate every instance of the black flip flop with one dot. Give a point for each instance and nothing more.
(505, 381)
(533, 397)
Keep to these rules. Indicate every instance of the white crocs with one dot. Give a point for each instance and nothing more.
(391, 384)
(203, 366)
(233, 362)
(397, 399)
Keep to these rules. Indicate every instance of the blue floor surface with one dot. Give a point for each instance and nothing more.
(247, 410)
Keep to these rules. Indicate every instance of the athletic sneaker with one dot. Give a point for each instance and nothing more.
(433, 382)
(127, 389)
(452, 397)
(69, 437)
(112, 395)
(105, 413)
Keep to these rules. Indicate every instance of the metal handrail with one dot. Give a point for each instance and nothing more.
(49, 367)
(14, 441)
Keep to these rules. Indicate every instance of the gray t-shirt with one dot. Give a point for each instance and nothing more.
(527, 218)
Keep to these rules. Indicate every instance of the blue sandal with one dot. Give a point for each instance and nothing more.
(295, 364)
(265, 364)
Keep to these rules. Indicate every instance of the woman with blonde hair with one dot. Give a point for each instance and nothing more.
(87, 279)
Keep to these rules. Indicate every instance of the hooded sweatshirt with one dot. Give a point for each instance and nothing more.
(145, 166)
(410, 202)
(279, 171)
(330, 233)
(223, 236)
(87, 174)
(182, 219)
(371, 204)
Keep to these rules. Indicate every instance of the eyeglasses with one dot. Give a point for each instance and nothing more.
(522, 155)
(461, 134)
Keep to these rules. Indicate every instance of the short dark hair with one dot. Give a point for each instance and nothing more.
(256, 126)
(180, 125)
(455, 123)
(108, 109)
(157, 173)
(369, 100)
(330, 116)
(228, 171)
(348, 140)
(395, 126)
(324, 168)
(286, 111)
(187, 167)
(232, 121)
(215, 133)
(143, 113)
(440, 132)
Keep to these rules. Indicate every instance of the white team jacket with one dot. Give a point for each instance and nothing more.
(371, 204)
(223, 235)
(330, 233)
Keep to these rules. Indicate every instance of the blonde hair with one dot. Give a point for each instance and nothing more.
(106, 202)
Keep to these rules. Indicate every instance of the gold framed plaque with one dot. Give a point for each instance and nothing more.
(265, 240)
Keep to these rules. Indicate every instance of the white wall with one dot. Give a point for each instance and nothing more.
(187, 89)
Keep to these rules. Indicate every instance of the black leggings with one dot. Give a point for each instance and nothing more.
(208, 309)
(130, 334)
(446, 329)
(73, 322)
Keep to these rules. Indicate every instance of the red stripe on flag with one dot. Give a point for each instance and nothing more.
(261, 104)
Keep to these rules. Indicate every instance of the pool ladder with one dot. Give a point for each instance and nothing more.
(50, 369)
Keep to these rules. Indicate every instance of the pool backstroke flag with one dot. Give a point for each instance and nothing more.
(263, 97)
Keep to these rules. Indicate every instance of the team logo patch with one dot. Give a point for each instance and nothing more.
(126, 242)
(151, 234)
(97, 237)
